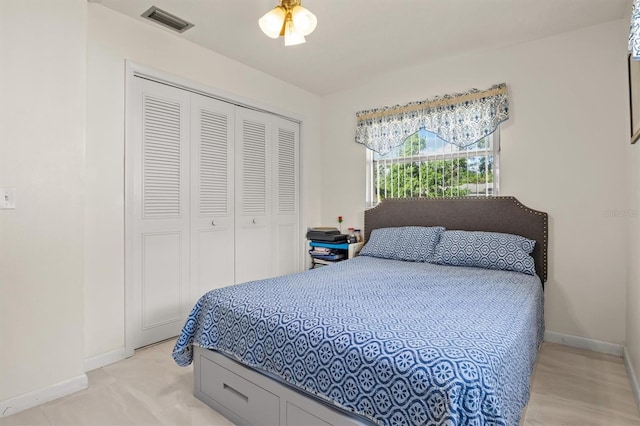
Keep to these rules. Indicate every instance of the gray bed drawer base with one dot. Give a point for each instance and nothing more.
(247, 397)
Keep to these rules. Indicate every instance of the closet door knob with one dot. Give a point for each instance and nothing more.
(254, 221)
(213, 222)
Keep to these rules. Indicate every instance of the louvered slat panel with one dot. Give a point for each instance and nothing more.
(161, 158)
(213, 163)
(254, 168)
(286, 171)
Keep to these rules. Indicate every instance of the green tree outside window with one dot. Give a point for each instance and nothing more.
(427, 166)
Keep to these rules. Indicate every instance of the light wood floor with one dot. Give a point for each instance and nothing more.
(570, 387)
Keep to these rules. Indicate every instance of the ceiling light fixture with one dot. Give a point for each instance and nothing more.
(288, 19)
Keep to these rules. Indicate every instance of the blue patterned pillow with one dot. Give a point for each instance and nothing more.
(417, 243)
(382, 243)
(490, 250)
(410, 243)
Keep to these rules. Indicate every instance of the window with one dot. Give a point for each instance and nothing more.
(427, 166)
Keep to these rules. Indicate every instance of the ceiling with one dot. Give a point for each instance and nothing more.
(356, 39)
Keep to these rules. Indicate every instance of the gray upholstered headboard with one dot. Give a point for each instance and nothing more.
(493, 214)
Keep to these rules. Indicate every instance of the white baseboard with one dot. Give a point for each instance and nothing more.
(633, 380)
(32, 399)
(103, 359)
(584, 343)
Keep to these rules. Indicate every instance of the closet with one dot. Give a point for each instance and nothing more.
(215, 201)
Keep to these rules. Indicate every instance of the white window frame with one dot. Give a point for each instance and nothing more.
(370, 196)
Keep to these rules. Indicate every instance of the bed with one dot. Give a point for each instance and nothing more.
(381, 339)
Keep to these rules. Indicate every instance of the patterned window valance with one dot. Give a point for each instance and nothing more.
(461, 119)
(634, 34)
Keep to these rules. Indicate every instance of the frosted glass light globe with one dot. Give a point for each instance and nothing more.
(271, 22)
(304, 20)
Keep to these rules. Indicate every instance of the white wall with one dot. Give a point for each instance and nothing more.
(563, 152)
(632, 217)
(42, 133)
(112, 38)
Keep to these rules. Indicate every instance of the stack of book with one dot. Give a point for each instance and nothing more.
(324, 253)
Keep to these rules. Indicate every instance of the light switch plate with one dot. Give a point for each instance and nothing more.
(7, 198)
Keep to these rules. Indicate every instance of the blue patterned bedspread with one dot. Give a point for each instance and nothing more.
(399, 343)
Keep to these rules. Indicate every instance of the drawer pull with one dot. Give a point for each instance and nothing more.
(235, 392)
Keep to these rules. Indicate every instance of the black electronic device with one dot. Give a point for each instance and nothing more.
(327, 235)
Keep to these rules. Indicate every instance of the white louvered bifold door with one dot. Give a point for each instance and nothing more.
(212, 200)
(161, 294)
(253, 195)
(285, 143)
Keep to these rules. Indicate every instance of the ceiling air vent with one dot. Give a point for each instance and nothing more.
(166, 19)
